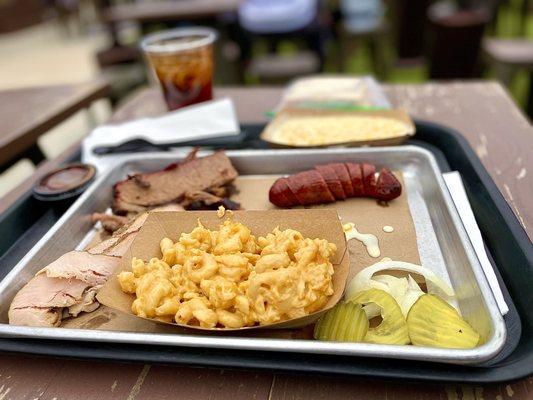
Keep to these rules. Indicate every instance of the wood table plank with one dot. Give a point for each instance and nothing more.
(285, 387)
(205, 383)
(251, 103)
(160, 11)
(24, 377)
(27, 113)
(482, 112)
(497, 130)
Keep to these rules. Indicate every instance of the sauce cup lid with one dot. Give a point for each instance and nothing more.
(65, 182)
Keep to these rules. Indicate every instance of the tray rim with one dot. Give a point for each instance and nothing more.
(440, 140)
(487, 351)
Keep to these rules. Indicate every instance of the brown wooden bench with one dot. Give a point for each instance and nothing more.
(160, 11)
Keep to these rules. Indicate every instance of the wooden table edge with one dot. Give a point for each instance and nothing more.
(100, 90)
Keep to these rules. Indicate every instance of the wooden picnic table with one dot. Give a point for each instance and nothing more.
(27, 113)
(496, 129)
(160, 11)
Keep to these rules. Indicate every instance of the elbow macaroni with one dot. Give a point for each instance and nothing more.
(331, 129)
(229, 278)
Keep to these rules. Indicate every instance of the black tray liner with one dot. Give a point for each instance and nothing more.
(508, 247)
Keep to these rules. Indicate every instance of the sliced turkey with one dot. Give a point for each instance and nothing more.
(68, 285)
(81, 265)
(42, 300)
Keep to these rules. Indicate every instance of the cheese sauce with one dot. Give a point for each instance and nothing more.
(369, 241)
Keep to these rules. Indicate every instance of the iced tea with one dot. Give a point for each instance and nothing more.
(182, 60)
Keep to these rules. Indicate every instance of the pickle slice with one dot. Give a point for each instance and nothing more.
(393, 328)
(346, 322)
(433, 322)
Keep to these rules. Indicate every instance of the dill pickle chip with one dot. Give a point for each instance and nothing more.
(346, 322)
(324, 325)
(358, 326)
(393, 327)
(433, 322)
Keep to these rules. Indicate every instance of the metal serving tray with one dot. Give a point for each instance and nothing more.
(422, 180)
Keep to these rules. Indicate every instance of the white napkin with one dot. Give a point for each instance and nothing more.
(206, 120)
(457, 191)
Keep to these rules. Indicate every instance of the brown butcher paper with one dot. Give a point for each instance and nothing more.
(367, 215)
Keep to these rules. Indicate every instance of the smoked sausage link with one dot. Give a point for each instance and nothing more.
(330, 182)
(388, 187)
(309, 187)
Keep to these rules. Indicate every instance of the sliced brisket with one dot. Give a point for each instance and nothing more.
(142, 191)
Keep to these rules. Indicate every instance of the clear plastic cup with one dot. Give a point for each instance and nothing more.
(182, 60)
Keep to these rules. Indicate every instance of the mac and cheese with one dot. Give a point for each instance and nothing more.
(229, 278)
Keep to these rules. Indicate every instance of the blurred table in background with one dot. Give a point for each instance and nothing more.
(482, 111)
(509, 55)
(27, 113)
(159, 11)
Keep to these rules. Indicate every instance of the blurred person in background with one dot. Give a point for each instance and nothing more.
(362, 15)
(277, 16)
(277, 20)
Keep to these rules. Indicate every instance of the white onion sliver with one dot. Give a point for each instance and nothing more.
(363, 280)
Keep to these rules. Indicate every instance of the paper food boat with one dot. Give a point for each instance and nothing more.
(323, 224)
(274, 137)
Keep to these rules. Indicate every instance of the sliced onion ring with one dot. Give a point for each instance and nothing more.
(404, 290)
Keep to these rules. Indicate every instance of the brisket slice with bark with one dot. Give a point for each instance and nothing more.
(145, 190)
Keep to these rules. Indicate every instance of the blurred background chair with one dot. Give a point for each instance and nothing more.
(455, 40)
(410, 27)
(363, 22)
(508, 57)
(278, 22)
